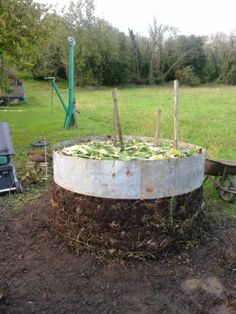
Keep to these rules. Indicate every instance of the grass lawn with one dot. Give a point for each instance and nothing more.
(207, 118)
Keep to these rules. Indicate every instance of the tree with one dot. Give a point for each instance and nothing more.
(183, 53)
(80, 12)
(157, 34)
(221, 61)
(33, 37)
(193, 48)
(135, 57)
(52, 57)
(20, 31)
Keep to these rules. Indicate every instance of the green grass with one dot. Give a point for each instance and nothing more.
(207, 117)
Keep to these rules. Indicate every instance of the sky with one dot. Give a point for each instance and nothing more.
(199, 17)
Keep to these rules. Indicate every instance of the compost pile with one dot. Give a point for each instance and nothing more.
(127, 228)
(133, 150)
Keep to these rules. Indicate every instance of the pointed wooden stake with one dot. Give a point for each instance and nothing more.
(114, 126)
(117, 118)
(45, 159)
(158, 127)
(176, 114)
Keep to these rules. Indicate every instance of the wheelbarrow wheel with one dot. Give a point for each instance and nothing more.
(228, 183)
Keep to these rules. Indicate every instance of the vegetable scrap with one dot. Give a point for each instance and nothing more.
(133, 150)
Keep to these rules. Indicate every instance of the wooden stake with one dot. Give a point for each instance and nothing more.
(176, 114)
(158, 127)
(117, 118)
(45, 159)
(114, 125)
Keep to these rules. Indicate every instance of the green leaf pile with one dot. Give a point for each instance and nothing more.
(134, 150)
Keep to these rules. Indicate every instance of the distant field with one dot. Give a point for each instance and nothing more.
(207, 116)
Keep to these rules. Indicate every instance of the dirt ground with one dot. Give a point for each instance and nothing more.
(39, 274)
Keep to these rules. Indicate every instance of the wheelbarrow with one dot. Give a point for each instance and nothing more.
(224, 172)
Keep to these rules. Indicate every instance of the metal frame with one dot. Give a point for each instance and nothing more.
(222, 170)
(15, 184)
(70, 120)
(7, 149)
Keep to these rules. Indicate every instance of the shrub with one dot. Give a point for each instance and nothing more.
(187, 76)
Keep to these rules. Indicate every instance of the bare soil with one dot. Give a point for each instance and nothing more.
(40, 274)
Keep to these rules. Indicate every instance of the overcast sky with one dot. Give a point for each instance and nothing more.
(200, 17)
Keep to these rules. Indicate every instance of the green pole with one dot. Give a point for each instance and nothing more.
(53, 82)
(54, 85)
(70, 120)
